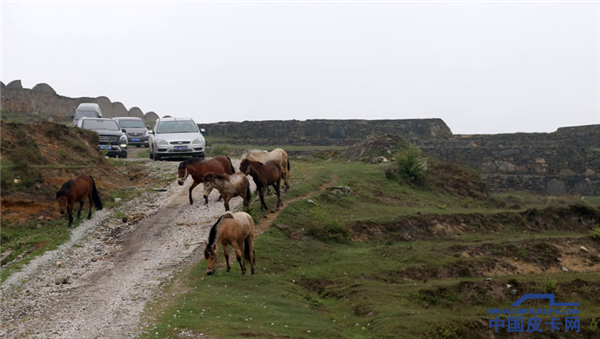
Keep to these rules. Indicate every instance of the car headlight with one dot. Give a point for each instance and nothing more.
(162, 142)
(197, 141)
(123, 145)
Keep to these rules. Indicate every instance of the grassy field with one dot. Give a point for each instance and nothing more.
(335, 267)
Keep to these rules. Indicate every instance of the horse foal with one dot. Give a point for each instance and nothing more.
(229, 186)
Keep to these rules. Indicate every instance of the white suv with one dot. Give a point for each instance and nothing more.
(175, 137)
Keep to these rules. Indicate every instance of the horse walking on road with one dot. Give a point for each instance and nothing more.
(264, 176)
(198, 168)
(76, 190)
(229, 186)
(278, 155)
(236, 230)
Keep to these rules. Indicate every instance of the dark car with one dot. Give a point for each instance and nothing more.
(137, 131)
(110, 136)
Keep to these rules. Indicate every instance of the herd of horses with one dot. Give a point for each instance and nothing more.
(266, 169)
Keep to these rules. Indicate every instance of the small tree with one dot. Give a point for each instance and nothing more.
(412, 165)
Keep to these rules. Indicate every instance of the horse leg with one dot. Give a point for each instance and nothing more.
(220, 198)
(80, 208)
(278, 191)
(238, 254)
(226, 200)
(261, 192)
(250, 244)
(191, 188)
(226, 253)
(70, 213)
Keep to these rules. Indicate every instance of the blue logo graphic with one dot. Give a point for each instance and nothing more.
(520, 324)
(542, 296)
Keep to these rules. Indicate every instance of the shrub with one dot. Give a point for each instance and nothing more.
(411, 165)
(595, 234)
(219, 149)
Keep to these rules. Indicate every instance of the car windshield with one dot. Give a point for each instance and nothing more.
(186, 126)
(131, 124)
(88, 114)
(93, 125)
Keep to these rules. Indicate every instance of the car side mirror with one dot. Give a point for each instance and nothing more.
(148, 127)
(123, 130)
(202, 130)
(150, 132)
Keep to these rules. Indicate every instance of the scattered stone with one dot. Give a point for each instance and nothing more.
(340, 190)
(508, 285)
(465, 255)
(513, 291)
(61, 280)
(564, 269)
(118, 199)
(311, 202)
(59, 263)
(583, 248)
(488, 279)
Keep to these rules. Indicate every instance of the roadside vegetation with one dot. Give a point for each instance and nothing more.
(391, 259)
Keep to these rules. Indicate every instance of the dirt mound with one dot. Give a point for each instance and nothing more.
(575, 217)
(373, 148)
(37, 158)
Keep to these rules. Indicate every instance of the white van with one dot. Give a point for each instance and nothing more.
(88, 110)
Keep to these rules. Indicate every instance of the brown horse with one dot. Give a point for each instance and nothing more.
(229, 186)
(198, 168)
(264, 176)
(278, 155)
(76, 190)
(236, 230)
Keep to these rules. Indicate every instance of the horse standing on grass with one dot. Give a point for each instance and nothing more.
(264, 176)
(278, 155)
(229, 186)
(198, 168)
(237, 230)
(76, 190)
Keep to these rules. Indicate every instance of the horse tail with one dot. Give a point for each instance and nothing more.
(95, 195)
(231, 164)
(247, 249)
(288, 163)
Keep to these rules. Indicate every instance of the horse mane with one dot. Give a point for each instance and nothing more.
(189, 161)
(64, 190)
(212, 236)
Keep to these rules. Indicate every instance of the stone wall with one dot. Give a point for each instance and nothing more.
(43, 100)
(323, 132)
(564, 162)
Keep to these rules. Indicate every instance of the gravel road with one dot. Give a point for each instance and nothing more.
(97, 284)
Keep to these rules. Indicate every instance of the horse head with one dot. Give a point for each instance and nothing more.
(245, 166)
(182, 173)
(210, 254)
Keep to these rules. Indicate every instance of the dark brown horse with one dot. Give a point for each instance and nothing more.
(198, 168)
(264, 176)
(236, 230)
(76, 190)
(229, 186)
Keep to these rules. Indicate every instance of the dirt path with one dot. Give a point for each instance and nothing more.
(108, 273)
(266, 222)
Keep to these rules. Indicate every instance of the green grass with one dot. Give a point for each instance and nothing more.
(143, 154)
(34, 240)
(312, 276)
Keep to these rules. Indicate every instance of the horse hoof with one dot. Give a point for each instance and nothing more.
(244, 274)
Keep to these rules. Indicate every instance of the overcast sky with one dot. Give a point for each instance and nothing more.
(481, 67)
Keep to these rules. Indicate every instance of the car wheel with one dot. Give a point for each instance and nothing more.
(124, 155)
(157, 157)
(151, 155)
(138, 146)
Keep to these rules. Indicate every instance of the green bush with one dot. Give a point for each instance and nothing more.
(411, 166)
(595, 234)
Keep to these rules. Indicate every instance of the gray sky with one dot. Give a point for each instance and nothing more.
(482, 67)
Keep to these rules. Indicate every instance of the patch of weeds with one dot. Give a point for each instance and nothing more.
(411, 166)
(326, 228)
(595, 234)
(547, 285)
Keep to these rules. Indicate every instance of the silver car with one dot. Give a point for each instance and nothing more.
(175, 137)
(137, 131)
